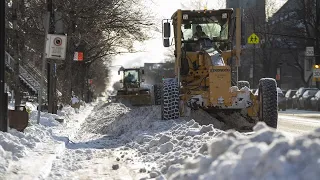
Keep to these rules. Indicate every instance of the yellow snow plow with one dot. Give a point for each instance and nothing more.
(204, 42)
(132, 93)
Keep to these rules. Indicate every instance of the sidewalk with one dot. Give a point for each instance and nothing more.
(38, 162)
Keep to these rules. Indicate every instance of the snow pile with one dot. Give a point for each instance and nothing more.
(116, 119)
(267, 154)
(31, 106)
(103, 116)
(140, 128)
(46, 119)
(180, 140)
(15, 145)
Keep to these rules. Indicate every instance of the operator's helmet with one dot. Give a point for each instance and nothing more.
(198, 28)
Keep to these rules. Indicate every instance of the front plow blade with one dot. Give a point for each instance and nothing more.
(135, 100)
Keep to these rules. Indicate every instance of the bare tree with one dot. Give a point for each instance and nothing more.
(297, 24)
(201, 4)
(99, 28)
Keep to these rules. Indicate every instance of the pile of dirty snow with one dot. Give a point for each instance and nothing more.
(267, 154)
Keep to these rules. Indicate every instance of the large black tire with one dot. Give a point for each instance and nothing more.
(157, 94)
(242, 84)
(268, 98)
(170, 100)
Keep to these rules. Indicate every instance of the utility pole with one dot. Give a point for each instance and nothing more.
(17, 97)
(254, 51)
(51, 65)
(3, 103)
(46, 29)
(317, 33)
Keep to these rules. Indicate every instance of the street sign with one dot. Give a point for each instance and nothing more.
(316, 72)
(78, 56)
(56, 46)
(253, 39)
(309, 51)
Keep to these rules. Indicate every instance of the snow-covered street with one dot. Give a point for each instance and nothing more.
(159, 90)
(112, 141)
(293, 122)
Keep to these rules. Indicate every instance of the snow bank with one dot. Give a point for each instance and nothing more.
(180, 140)
(162, 143)
(118, 120)
(15, 145)
(185, 150)
(267, 154)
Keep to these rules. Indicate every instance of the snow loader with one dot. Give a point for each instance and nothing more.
(205, 57)
(132, 92)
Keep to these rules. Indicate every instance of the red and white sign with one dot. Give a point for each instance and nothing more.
(56, 46)
(78, 56)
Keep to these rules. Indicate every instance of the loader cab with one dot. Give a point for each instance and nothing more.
(192, 50)
(131, 78)
(214, 24)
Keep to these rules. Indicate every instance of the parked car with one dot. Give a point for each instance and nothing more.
(297, 96)
(315, 102)
(288, 97)
(281, 100)
(304, 100)
(284, 91)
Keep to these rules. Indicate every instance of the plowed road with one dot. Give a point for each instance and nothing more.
(294, 122)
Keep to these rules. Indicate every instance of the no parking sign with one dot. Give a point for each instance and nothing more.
(56, 46)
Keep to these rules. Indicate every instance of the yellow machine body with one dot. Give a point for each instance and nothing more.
(205, 76)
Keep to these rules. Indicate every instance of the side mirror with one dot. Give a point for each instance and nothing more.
(166, 30)
(166, 42)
